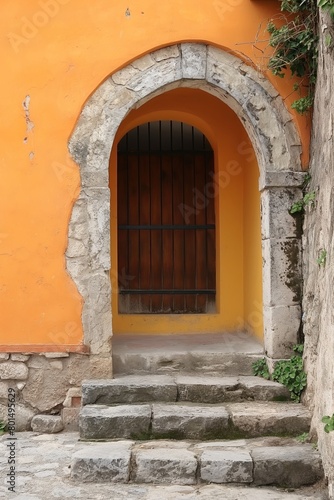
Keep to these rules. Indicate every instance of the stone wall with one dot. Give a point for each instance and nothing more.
(48, 383)
(319, 235)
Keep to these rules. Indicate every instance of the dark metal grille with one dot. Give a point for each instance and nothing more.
(166, 220)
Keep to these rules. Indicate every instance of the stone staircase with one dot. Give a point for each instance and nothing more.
(186, 429)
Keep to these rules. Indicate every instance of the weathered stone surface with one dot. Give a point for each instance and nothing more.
(107, 462)
(4, 356)
(189, 421)
(10, 370)
(73, 392)
(259, 418)
(23, 416)
(193, 60)
(281, 272)
(276, 219)
(226, 466)
(70, 418)
(260, 389)
(219, 389)
(291, 466)
(56, 354)
(124, 421)
(164, 466)
(19, 357)
(281, 330)
(131, 389)
(205, 389)
(47, 424)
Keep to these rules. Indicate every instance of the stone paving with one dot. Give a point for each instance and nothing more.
(43, 472)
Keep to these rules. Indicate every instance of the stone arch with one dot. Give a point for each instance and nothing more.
(277, 145)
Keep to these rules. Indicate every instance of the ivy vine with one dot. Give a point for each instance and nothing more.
(293, 36)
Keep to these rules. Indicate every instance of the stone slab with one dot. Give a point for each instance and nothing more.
(47, 424)
(207, 389)
(189, 421)
(106, 462)
(290, 466)
(164, 466)
(253, 419)
(131, 389)
(122, 421)
(226, 466)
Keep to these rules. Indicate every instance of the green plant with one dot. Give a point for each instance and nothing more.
(321, 260)
(329, 423)
(260, 368)
(303, 438)
(290, 373)
(327, 5)
(295, 42)
(307, 200)
(2, 427)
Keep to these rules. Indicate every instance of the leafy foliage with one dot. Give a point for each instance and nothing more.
(260, 368)
(327, 5)
(329, 423)
(288, 372)
(303, 438)
(321, 260)
(291, 374)
(295, 44)
(307, 200)
(2, 427)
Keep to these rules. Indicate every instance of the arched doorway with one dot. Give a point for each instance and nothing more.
(277, 147)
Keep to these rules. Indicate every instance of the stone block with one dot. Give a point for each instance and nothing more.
(165, 466)
(253, 419)
(258, 388)
(281, 330)
(73, 392)
(205, 389)
(23, 416)
(131, 389)
(281, 272)
(189, 422)
(109, 422)
(276, 219)
(289, 466)
(4, 356)
(47, 424)
(106, 462)
(226, 466)
(12, 370)
(19, 357)
(193, 61)
(70, 418)
(281, 179)
(55, 355)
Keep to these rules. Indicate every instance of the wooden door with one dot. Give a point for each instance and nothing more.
(166, 220)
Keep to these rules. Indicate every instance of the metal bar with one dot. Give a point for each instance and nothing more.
(166, 226)
(166, 153)
(168, 292)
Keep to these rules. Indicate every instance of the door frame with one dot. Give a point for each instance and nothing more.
(277, 146)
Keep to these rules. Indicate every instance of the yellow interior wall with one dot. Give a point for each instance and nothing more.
(58, 52)
(233, 155)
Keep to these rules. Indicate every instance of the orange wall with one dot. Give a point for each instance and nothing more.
(57, 52)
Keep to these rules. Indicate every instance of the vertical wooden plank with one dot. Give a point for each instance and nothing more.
(211, 237)
(201, 250)
(144, 234)
(122, 236)
(167, 234)
(178, 236)
(189, 234)
(156, 243)
(133, 249)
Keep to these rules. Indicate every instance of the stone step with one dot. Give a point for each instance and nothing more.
(192, 388)
(207, 354)
(193, 421)
(255, 462)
